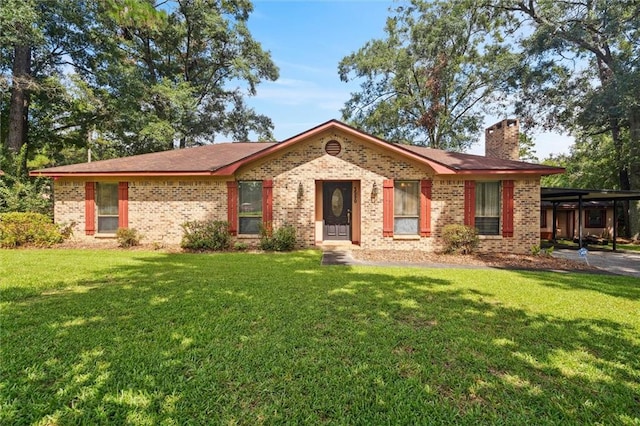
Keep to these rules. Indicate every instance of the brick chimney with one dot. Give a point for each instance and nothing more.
(501, 140)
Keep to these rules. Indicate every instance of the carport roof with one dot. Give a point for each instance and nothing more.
(575, 194)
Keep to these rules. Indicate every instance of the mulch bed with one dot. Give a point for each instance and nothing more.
(496, 260)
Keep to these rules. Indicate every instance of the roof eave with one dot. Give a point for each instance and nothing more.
(53, 174)
(541, 172)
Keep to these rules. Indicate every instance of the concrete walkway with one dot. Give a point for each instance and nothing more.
(621, 263)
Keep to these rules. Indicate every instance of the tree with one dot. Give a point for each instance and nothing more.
(589, 164)
(129, 76)
(580, 66)
(18, 37)
(598, 95)
(178, 72)
(430, 80)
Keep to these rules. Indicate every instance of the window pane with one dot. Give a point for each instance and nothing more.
(250, 197)
(595, 218)
(107, 224)
(488, 208)
(250, 208)
(250, 225)
(488, 225)
(406, 198)
(107, 199)
(488, 199)
(405, 226)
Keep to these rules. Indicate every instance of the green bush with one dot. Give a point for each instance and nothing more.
(282, 239)
(241, 246)
(127, 237)
(206, 235)
(18, 229)
(460, 239)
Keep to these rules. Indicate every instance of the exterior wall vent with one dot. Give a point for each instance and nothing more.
(333, 147)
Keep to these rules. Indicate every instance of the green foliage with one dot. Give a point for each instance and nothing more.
(282, 239)
(460, 239)
(240, 246)
(535, 250)
(589, 164)
(127, 237)
(579, 72)
(430, 81)
(20, 229)
(145, 75)
(206, 235)
(18, 192)
(170, 338)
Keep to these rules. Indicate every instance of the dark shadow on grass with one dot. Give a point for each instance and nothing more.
(277, 339)
(609, 284)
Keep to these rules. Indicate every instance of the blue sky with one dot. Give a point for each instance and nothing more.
(307, 40)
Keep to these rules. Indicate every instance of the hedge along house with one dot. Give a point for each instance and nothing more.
(334, 183)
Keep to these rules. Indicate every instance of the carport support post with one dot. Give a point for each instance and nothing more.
(615, 223)
(580, 220)
(555, 225)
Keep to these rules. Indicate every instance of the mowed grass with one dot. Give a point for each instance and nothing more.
(118, 337)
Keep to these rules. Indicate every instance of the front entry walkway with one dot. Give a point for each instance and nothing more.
(617, 263)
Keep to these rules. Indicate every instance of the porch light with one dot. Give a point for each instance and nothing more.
(374, 193)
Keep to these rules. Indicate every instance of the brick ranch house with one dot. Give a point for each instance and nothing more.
(333, 182)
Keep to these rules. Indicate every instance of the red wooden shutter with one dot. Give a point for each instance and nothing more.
(387, 208)
(425, 208)
(470, 203)
(267, 204)
(123, 204)
(507, 208)
(232, 207)
(90, 208)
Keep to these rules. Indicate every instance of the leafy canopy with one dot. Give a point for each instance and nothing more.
(433, 77)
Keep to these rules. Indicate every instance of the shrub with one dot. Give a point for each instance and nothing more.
(282, 239)
(127, 237)
(240, 246)
(460, 239)
(18, 229)
(535, 250)
(206, 235)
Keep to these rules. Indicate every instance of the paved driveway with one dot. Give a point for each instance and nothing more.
(617, 263)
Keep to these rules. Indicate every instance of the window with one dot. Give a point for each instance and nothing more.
(250, 206)
(595, 218)
(543, 218)
(406, 207)
(107, 203)
(487, 218)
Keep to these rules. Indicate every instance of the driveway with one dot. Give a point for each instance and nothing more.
(618, 263)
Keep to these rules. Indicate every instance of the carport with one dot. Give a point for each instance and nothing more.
(574, 195)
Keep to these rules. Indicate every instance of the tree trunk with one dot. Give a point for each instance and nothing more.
(623, 172)
(634, 168)
(19, 105)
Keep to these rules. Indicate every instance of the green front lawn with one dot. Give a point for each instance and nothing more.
(118, 337)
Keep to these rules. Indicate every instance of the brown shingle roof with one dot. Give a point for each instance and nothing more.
(475, 163)
(203, 159)
(225, 158)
